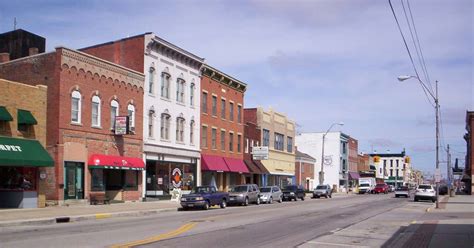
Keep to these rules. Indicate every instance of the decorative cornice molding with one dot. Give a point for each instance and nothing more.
(88, 63)
(223, 78)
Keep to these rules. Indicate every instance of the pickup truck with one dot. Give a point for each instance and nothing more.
(204, 197)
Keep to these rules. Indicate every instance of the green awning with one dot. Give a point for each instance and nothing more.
(25, 117)
(23, 152)
(4, 115)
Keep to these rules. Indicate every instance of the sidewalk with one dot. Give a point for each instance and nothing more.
(417, 224)
(50, 215)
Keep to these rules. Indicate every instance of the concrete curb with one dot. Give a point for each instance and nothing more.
(78, 218)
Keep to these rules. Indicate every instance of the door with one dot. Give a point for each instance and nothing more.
(73, 180)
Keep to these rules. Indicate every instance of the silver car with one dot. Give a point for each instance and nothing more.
(244, 194)
(270, 194)
(322, 190)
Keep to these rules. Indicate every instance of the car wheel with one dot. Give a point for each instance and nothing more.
(258, 201)
(280, 200)
(206, 206)
(246, 203)
(396, 196)
(296, 198)
(416, 199)
(433, 200)
(330, 195)
(223, 203)
(326, 196)
(270, 201)
(302, 198)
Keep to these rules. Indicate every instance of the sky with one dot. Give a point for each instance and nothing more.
(318, 61)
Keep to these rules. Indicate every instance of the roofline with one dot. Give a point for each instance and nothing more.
(175, 47)
(207, 66)
(114, 41)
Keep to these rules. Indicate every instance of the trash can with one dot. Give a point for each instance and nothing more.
(41, 201)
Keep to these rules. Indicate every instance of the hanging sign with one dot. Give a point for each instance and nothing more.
(121, 125)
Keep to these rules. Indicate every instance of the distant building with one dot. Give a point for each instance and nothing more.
(20, 43)
(353, 160)
(391, 168)
(277, 133)
(336, 155)
(469, 137)
(304, 170)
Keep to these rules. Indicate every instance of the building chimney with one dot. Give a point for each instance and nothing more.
(32, 51)
(4, 57)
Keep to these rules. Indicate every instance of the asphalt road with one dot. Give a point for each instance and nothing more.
(286, 224)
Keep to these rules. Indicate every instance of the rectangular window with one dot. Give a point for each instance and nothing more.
(113, 114)
(95, 114)
(150, 125)
(391, 162)
(97, 182)
(239, 143)
(266, 137)
(213, 138)
(289, 146)
(75, 110)
(239, 113)
(180, 90)
(344, 147)
(231, 142)
(214, 105)
(246, 145)
(131, 180)
(204, 136)
(398, 163)
(191, 133)
(302, 169)
(278, 144)
(165, 85)
(231, 111)
(222, 108)
(391, 172)
(204, 102)
(222, 140)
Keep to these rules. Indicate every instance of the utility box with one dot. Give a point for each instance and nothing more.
(41, 201)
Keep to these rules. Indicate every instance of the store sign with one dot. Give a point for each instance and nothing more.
(260, 152)
(177, 177)
(10, 148)
(121, 125)
(328, 160)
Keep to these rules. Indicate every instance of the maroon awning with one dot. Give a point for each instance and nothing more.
(213, 163)
(354, 175)
(253, 168)
(236, 165)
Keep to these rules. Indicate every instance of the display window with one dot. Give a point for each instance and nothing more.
(18, 178)
(166, 176)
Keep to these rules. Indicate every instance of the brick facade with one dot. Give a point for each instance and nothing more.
(65, 71)
(353, 154)
(304, 170)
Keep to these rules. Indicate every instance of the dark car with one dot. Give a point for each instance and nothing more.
(204, 197)
(443, 189)
(293, 192)
(381, 188)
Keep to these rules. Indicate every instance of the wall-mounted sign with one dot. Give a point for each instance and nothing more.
(121, 125)
(260, 152)
(328, 160)
(177, 177)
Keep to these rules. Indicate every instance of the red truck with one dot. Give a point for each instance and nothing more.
(381, 188)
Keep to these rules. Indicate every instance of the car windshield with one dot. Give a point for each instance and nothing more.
(198, 190)
(290, 187)
(402, 188)
(364, 185)
(265, 189)
(321, 187)
(380, 185)
(424, 187)
(239, 189)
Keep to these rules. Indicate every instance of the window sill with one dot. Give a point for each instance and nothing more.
(165, 140)
(180, 142)
(223, 119)
(192, 106)
(214, 116)
(152, 95)
(165, 99)
(76, 124)
(205, 113)
(181, 104)
(96, 127)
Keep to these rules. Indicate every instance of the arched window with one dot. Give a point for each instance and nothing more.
(180, 129)
(151, 82)
(76, 103)
(95, 111)
(191, 94)
(180, 90)
(191, 132)
(165, 126)
(131, 116)
(165, 85)
(114, 111)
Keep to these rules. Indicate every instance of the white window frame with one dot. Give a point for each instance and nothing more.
(95, 100)
(113, 104)
(131, 116)
(180, 85)
(151, 81)
(191, 132)
(151, 124)
(191, 94)
(165, 126)
(165, 85)
(76, 95)
(180, 129)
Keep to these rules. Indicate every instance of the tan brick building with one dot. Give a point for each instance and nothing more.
(87, 100)
(222, 129)
(22, 140)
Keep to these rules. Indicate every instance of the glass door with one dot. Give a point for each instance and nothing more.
(73, 180)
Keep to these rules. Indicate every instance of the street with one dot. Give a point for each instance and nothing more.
(286, 224)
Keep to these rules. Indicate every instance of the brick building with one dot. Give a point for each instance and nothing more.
(87, 100)
(23, 157)
(252, 135)
(277, 133)
(304, 170)
(353, 160)
(469, 137)
(222, 129)
(171, 111)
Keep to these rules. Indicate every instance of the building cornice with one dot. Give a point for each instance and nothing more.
(221, 77)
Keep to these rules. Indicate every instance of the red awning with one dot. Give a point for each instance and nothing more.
(236, 165)
(100, 161)
(354, 175)
(213, 163)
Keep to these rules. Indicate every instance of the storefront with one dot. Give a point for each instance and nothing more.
(353, 179)
(115, 177)
(163, 177)
(257, 172)
(21, 161)
(280, 179)
(214, 170)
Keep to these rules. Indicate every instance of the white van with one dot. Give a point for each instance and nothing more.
(366, 185)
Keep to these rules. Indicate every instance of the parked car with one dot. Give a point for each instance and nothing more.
(402, 191)
(322, 190)
(204, 197)
(425, 192)
(244, 194)
(270, 194)
(391, 188)
(293, 192)
(381, 188)
(443, 189)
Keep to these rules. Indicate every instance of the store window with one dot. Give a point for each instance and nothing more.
(131, 180)
(163, 177)
(97, 182)
(18, 178)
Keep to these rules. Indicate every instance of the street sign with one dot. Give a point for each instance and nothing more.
(121, 125)
(437, 175)
(260, 152)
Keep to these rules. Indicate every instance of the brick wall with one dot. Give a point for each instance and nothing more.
(353, 154)
(307, 171)
(363, 163)
(251, 132)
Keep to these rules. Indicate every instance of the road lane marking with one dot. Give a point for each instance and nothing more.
(180, 230)
(334, 244)
(102, 216)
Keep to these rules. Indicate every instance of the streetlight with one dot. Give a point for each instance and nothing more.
(434, 95)
(321, 173)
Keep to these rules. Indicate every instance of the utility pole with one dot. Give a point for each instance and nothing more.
(437, 142)
(448, 175)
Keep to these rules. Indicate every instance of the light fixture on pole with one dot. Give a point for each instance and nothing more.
(321, 173)
(434, 95)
